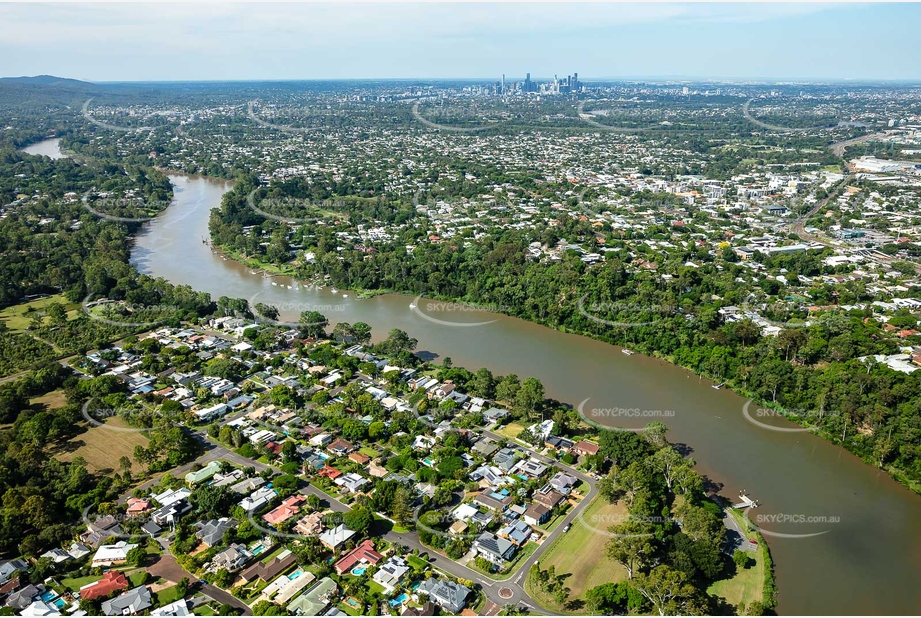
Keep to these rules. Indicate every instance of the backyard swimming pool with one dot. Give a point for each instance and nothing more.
(359, 570)
(399, 600)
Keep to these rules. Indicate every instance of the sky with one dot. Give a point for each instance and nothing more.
(177, 42)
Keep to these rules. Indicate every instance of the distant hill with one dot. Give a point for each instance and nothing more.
(45, 80)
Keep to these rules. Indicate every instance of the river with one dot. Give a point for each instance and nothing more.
(866, 562)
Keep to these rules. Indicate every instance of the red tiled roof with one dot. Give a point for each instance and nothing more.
(365, 551)
(286, 510)
(112, 581)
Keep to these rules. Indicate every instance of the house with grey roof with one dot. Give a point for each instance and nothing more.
(450, 596)
(212, 531)
(131, 602)
(505, 459)
(496, 550)
(391, 572)
(518, 532)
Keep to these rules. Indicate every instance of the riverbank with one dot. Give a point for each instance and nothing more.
(788, 472)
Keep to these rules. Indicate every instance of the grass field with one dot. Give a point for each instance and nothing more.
(79, 582)
(746, 585)
(510, 431)
(167, 596)
(579, 554)
(102, 448)
(52, 401)
(18, 317)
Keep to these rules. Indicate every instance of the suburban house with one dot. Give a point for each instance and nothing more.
(267, 571)
(176, 608)
(450, 596)
(199, 476)
(336, 537)
(211, 532)
(258, 499)
(548, 496)
(310, 525)
(492, 500)
(505, 459)
(107, 555)
(536, 514)
(286, 510)
(352, 482)
(232, 558)
(340, 447)
(132, 602)
(136, 506)
(364, 553)
(112, 581)
(563, 482)
(493, 548)
(517, 532)
(582, 447)
(391, 572)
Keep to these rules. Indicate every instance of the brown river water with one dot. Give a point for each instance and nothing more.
(843, 535)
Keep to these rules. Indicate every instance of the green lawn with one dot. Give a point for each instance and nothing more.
(18, 317)
(137, 578)
(204, 610)
(373, 586)
(510, 431)
(416, 562)
(746, 585)
(579, 553)
(167, 596)
(78, 582)
(370, 452)
(274, 553)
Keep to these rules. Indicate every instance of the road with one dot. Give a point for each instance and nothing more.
(512, 587)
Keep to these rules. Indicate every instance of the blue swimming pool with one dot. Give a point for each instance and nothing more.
(258, 549)
(359, 570)
(296, 574)
(47, 596)
(399, 600)
(59, 603)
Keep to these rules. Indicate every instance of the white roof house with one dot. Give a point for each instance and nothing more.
(112, 554)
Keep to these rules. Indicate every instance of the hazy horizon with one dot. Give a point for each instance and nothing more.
(602, 42)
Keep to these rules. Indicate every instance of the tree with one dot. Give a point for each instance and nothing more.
(669, 592)
(667, 462)
(313, 324)
(401, 506)
(631, 546)
(361, 333)
(359, 519)
(742, 560)
(507, 388)
(136, 557)
(343, 332)
(530, 396)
